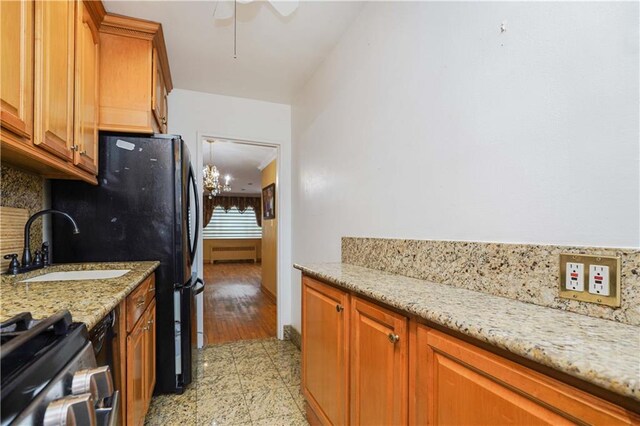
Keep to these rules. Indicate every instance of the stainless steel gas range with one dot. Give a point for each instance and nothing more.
(50, 376)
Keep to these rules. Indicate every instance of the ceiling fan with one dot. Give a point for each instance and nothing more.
(225, 9)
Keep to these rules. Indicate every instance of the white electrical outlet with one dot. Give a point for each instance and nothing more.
(575, 276)
(599, 280)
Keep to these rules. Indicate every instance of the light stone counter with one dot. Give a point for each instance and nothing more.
(87, 300)
(598, 351)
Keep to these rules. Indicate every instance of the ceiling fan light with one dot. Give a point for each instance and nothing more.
(223, 10)
(285, 8)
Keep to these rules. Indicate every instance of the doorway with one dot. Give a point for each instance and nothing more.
(240, 233)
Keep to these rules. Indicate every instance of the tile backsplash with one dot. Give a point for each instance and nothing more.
(524, 272)
(25, 191)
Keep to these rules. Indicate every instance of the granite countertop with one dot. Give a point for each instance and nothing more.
(87, 300)
(598, 351)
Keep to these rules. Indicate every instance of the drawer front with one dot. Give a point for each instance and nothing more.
(138, 301)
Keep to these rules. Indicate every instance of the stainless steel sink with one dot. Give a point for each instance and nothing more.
(98, 274)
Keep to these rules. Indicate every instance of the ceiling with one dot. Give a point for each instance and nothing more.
(242, 161)
(276, 55)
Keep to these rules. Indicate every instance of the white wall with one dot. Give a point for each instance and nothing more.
(194, 114)
(426, 122)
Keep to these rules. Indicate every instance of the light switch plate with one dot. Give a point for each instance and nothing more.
(590, 262)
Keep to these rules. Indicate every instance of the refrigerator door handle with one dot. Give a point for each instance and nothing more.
(197, 289)
(197, 214)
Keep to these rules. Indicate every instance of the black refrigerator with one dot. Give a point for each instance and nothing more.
(145, 207)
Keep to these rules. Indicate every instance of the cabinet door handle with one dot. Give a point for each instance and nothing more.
(83, 152)
(393, 338)
(164, 120)
(339, 308)
(151, 290)
(75, 147)
(140, 301)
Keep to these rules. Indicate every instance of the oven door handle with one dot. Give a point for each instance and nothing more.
(110, 413)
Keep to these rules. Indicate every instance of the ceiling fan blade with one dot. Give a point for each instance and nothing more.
(285, 8)
(223, 10)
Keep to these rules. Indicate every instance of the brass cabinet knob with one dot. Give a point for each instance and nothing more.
(393, 338)
(83, 152)
(339, 308)
(164, 120)
(74, 147)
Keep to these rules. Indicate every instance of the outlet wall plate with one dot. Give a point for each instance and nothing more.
(613, 299)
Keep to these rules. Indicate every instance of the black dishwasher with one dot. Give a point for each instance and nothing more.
(102, 337)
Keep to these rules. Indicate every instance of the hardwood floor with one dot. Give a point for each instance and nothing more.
(235, 308)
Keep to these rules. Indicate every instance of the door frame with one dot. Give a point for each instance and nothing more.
(283, 245)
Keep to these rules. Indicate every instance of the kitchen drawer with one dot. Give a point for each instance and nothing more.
(138, 301)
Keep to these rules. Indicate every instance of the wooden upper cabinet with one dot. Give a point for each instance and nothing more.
(16, 77)
(134, 75)
(379, 365)
(457, 383)
(54, 76)
(159, 99)
(86, 91)
(325, 373)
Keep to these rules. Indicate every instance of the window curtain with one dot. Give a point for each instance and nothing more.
(241, 203)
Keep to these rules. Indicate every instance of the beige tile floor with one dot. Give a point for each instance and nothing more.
(250, 382)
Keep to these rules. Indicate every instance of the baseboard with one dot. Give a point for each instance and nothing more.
(291, 334)
(267, 293)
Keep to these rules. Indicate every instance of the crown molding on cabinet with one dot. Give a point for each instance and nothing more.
(143, 29)
(96, 10)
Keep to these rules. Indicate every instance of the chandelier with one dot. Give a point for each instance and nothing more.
(211, 177)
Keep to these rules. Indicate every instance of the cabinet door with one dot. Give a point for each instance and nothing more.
(165, 108)
(136, 365)
(86, 91)
(54, 75)
(325, 350)
(379, 365)
(159, 96)
(458, 383)
(150, 352)
(16, 78)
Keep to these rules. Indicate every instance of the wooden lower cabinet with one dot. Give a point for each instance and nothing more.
(325, 374)
(136, 384)
(457, 383)
(363, 364)
(150, 354)
(379, 362)
(136, 358)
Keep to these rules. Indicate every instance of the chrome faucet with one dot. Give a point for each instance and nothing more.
(29, 263)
